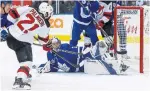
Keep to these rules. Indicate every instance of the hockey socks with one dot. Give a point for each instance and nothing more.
(21, 79)
(23, 72)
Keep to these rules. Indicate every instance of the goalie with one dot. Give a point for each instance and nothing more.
(89, 60)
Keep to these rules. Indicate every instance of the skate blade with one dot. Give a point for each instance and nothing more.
(17, 87)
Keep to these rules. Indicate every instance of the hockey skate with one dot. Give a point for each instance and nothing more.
(118, 65)
(123, 67)
(20, 85)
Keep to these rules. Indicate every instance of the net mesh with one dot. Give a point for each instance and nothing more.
(131, 33)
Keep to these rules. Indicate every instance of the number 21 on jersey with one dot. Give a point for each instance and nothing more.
(30, 20)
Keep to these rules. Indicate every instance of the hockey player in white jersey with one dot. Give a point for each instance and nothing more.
(20, 35)
(29, 22)
(105, 21)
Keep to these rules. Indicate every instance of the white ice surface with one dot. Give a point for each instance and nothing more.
(67, 81)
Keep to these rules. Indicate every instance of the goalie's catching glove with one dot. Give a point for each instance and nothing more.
(52, 44)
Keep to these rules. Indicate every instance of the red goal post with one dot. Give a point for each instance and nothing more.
(131, 9)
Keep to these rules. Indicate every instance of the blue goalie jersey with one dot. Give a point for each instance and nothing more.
(58, 63)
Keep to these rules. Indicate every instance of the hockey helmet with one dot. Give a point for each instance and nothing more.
(46, 10)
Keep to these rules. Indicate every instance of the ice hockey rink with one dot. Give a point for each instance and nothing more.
(70, 81)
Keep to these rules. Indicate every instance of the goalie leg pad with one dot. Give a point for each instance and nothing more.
(98, 67)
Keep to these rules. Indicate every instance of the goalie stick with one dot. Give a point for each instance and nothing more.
(70, 52)
(73, 65)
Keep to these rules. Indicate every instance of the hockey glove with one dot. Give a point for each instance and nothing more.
(100, 25)
(99, 48)
(46, 48)
(3, 34)
(44, 68)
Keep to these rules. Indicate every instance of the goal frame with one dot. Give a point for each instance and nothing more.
(141, 63)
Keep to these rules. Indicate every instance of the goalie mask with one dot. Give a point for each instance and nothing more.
(46, 10)
(54, 43)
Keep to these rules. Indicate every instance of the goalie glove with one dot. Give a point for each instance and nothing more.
(3, 34)
(52, 44)
(42, 68)
(102, 47)
(99, 49)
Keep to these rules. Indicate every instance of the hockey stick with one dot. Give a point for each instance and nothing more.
(75, 53)
(66, 51)
(73, 65)
(70, 52)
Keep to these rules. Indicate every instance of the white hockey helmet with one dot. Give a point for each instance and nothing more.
(46, 9)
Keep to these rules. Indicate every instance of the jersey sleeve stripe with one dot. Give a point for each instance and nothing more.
(107, 13)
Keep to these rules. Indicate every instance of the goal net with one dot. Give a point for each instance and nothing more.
(136, 21)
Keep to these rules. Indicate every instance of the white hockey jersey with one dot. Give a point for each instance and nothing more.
(27, 23)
